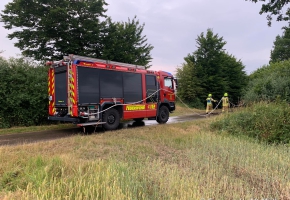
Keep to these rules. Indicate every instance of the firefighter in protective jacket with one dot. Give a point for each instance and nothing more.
(209, 101)
(226, 104)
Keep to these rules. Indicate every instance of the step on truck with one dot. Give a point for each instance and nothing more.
(89, 91)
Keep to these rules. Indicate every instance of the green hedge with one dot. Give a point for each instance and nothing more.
(268, 122)
(23, 93)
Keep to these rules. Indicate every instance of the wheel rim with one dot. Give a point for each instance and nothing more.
(111, 119)
(163, 115)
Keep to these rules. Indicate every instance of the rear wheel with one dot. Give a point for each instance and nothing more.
(163, 115)
(112, 119)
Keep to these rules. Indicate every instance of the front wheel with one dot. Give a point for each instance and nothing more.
(163, 115)
(112, 119)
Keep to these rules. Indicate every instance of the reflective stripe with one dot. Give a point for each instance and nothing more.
(51, 91)
(72, 95)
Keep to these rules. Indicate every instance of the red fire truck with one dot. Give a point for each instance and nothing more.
(89, 91)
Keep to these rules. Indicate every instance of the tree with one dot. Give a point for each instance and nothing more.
(234, 77)
(210, 69)
(124, 43)
(281, 48)
(189, 87)
(50, 29)
(274, 7)
(208, 62)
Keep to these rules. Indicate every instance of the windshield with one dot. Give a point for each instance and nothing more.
(168, 82)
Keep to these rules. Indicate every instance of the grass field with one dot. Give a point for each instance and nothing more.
(171, 161)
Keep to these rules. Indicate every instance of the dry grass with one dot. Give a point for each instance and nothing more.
(173, 161)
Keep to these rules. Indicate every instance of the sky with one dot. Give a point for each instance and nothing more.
(172, 28)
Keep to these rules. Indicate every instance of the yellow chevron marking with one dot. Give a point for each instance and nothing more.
(73, 101)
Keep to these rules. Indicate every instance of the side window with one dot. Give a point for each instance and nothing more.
(168, 83)
(151, 89)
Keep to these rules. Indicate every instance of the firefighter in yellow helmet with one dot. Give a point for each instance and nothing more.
(209, 101)
(226, 103)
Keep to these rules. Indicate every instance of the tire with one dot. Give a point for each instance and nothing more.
(163, 115)
(138, 119)
(112, 119)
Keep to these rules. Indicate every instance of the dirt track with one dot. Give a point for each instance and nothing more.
(21, 138)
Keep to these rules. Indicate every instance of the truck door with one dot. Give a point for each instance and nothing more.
(152, 95)
(169, 89)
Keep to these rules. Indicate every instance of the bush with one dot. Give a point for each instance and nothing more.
(23, 93)
(268, 122)
(269, 83)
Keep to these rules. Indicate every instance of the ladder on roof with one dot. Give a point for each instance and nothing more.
(83, 58)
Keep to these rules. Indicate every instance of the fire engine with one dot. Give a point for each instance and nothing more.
(89, 91)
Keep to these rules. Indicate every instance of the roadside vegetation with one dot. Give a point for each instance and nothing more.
(266, 122)
(172, 161)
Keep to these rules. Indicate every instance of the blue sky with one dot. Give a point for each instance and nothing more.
(172, 27)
